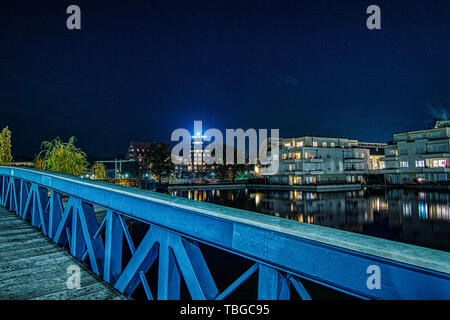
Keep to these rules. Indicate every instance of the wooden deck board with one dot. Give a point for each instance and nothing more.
(33, 267)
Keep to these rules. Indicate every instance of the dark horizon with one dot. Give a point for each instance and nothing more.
(136, 73)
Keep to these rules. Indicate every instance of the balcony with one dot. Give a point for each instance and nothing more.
(302, 160)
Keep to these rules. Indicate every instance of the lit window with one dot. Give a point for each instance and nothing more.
(300, 144)
(404, 164)
(314, 143)
(420, 164)
(332, 144)
(324, 144)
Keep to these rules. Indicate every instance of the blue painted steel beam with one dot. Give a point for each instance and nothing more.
(334, 258)
(237, 283)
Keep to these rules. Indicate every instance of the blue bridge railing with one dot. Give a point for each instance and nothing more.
(283, 252)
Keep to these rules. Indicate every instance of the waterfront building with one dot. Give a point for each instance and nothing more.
(419, 156)
(376, 153)
(309, 160)
(195, 166)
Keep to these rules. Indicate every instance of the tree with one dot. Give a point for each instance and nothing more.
(98, 171)
(157, 157)
(62, 157)
(5, 147)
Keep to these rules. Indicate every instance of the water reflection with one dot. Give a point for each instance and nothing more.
(421, 218)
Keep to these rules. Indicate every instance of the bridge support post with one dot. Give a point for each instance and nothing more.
(55, 212)
(35, 217)
(4, 189)
(23, 195)
(168, 271)
(272, 284)
(113, 247)
(77, 244)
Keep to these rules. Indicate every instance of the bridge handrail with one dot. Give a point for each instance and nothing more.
(222, 226)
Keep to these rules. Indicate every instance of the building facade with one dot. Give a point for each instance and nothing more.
(376, 153)
(419, 156)
(311, 160)
(136, 151)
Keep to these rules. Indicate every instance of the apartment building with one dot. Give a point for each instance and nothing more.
(419, 156)
(309, 160)
(376, 153)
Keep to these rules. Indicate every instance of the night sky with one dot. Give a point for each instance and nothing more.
(137, 70)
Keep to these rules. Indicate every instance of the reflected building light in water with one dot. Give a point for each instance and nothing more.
(310, 196)
(276, 214)
(423, 211)
(439, 212)
(422, 195)
(407, 211)
(379, 204)
(300, 218)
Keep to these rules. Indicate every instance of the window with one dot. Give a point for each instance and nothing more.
(404, 164)
(298, 155)
(332, 144)
(299, 144)
(420, 164)
(324, 144)
(284, 155)
(314, 143)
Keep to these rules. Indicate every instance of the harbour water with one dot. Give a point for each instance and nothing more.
(410, 216)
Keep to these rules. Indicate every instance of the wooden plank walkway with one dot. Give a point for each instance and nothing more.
(33, 267)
